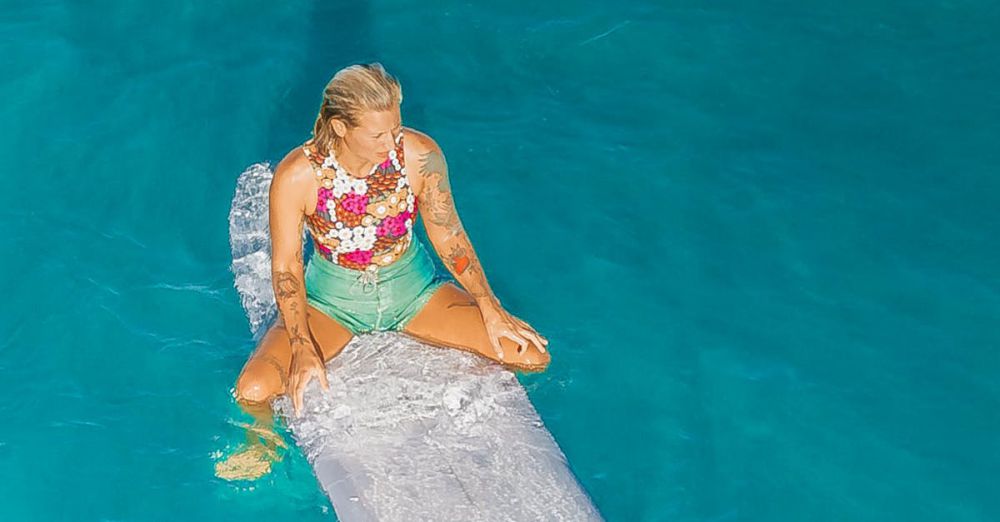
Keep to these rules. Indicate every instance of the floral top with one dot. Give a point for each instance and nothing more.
(362, 223)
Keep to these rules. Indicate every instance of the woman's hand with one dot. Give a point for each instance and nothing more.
(306, 364)
(499, 323)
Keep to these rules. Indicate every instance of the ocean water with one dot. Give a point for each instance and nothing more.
(760, 236)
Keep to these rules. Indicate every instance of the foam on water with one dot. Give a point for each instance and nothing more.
(249, 239)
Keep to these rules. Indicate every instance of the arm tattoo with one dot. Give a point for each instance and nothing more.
(288, 293)
(459, 259)
(437, 195)
(437, 202)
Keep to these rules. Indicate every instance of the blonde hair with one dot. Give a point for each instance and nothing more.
(351, 92)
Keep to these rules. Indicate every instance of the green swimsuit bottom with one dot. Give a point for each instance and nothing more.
(398, 293)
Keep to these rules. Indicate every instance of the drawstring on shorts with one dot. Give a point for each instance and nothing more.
(368, 282)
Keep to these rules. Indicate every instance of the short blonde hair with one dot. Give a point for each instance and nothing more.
(351, 92)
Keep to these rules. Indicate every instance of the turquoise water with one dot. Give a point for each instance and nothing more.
(760, 236)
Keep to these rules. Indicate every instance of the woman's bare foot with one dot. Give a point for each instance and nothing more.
(253, 460)
(251, 463)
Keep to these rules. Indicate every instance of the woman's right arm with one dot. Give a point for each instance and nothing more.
(287, 217)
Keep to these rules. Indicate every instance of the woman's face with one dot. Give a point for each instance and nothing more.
(375, 134)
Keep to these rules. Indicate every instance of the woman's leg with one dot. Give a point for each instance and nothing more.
(451, 318)
(265, 376)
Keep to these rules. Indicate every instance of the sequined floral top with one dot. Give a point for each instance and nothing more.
(362, 223)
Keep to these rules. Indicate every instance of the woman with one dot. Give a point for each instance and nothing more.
(357, 185)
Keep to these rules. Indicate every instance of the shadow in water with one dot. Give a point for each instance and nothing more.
(340, 34)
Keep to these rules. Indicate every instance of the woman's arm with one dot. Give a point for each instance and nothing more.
(286, 216)
(445, 231)
(444, 228)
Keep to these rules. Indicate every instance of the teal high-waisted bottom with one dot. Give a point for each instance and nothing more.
(397, 295)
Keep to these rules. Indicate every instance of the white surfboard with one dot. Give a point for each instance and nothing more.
(410, 431)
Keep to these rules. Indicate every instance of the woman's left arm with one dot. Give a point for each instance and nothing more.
(444, 229)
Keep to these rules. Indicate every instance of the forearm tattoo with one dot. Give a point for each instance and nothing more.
(288, 293)
(437, 202)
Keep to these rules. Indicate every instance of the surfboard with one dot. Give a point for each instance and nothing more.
(408, 430)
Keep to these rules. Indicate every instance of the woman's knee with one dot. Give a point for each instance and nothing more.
(531, 356)
(534, 357)
(259, 383)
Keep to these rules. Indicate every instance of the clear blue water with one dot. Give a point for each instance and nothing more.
(760, 236)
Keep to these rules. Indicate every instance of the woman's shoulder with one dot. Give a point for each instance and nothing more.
(419, 142)
(293, 172)
(418, 148)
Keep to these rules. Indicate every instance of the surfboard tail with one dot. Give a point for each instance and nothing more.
(250, 242)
